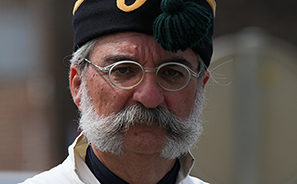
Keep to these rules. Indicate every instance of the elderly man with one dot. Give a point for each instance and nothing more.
(137, 76)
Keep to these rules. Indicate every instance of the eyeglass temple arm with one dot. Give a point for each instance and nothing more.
(103, 69)
(196, 75)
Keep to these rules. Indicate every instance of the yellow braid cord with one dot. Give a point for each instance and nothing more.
(77, 4)
(213, 5)
(122, 6)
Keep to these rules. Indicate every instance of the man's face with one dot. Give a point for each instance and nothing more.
(145, 50)
(106, 99)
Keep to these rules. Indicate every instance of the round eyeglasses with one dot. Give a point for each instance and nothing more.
(171, 76)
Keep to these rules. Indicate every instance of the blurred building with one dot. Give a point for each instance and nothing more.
(250, 130)
(250, 101)
(250, 112)
(35, 108)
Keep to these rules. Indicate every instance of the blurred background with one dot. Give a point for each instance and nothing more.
(250, 115)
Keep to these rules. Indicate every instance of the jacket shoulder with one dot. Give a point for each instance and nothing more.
(193, 180)
(57, 175)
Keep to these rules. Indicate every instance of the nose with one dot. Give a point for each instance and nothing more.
(148, 92)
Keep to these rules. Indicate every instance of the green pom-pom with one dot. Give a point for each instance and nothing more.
(182, 25)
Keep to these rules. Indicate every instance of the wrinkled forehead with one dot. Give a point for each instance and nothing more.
(138, 47)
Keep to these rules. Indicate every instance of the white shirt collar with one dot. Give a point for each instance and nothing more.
(77, 152)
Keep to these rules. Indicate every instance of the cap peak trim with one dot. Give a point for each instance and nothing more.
(213, 5)
(77, 4)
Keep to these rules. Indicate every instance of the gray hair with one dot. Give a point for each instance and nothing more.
(81, 54)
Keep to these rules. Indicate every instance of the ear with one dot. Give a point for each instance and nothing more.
(206, 77)
(75, 84)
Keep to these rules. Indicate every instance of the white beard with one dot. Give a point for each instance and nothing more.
(106, 133)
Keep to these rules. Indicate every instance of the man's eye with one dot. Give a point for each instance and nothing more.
(122, 70)
(172, 73)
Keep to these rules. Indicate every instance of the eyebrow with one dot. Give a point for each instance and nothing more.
(115, 58)
(109, 59)
(179, 60)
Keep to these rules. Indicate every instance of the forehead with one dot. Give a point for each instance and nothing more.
(136, 46)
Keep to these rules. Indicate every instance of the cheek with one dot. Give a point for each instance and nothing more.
(188, 105)
(106, 98)
(182, 102)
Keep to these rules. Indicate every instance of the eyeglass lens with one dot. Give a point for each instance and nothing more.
(170, 76)
(126, 74)
(173, 76)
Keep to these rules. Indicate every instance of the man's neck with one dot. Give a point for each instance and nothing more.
(136, 168)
